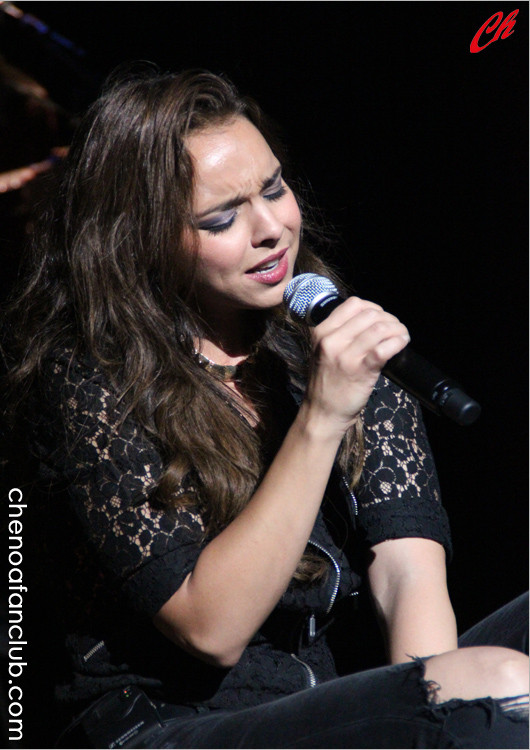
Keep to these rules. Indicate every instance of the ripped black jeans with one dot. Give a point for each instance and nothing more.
(388, 707)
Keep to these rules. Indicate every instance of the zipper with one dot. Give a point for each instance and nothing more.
(311, 628)
(310, 673)
(337, 570)
(93, 650)
(352, 496)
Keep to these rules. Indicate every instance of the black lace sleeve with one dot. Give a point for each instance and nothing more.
(108, 471)
(399, 494)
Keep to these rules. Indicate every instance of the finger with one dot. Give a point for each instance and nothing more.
(377, 357)
(370, 319)
(364, 330)
(347, 310)
(372, 330)
(369, 347)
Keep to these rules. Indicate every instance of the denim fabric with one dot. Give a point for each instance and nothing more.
(508, 627)
(388, 707)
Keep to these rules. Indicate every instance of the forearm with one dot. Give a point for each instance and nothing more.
(409, 589)
(419, 621)
(242, 573)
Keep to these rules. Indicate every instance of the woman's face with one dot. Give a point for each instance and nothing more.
(247, 217)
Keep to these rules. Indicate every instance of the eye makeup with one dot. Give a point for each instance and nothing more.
(279, 193)
(216, 227)
(223, 221)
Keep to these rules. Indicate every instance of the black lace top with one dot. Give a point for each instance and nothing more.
(113, 557)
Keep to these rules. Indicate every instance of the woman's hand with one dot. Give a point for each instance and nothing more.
(350, 348)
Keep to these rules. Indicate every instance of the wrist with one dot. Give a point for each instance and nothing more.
(319, 427)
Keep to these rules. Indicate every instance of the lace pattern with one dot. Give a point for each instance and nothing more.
(109, 471)
(399, 492)
(398, 458)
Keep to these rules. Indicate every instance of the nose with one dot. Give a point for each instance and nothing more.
(267, 228)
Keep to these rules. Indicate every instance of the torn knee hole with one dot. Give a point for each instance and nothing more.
(514, 707)
(431, 687)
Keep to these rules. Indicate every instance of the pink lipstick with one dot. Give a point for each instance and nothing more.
(271, 270)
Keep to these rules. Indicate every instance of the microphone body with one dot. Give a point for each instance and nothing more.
(312, 298)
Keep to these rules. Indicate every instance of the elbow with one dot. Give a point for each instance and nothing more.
(199, 632)
(224, 659)
(212, 651)
(208, 647)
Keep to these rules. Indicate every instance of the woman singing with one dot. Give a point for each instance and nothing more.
(219, 482)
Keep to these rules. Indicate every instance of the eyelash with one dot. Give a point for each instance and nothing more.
(223, 227)
(277, 195)
(217, 229)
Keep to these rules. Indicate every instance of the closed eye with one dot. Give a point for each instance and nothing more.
(223, 226)
(277, 195)
(217, 227)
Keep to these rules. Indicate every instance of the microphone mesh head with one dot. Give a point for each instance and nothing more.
(303, 290)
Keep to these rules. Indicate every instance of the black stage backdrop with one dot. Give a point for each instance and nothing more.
(416, 151)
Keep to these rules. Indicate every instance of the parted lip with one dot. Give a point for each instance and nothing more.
(266, 261)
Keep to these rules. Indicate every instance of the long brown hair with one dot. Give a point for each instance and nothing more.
(108, 277)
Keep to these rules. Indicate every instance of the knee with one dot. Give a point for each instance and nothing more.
(512, 673)
(503, 669)
(478, 672)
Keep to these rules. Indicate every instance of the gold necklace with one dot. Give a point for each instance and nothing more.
(223, 372)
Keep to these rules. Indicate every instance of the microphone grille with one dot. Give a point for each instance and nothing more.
(303, 290)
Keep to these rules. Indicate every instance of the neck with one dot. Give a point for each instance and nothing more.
(230, 341)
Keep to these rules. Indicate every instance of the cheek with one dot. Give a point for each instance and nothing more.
(291, 216)
(217, 255)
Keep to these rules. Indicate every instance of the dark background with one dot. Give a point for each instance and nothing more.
(416, 151)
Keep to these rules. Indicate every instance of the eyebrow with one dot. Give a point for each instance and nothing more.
(239, 199)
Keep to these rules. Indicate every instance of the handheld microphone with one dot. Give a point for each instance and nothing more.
(312, 298)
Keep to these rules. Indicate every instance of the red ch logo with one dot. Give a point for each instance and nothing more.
(506, 26)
